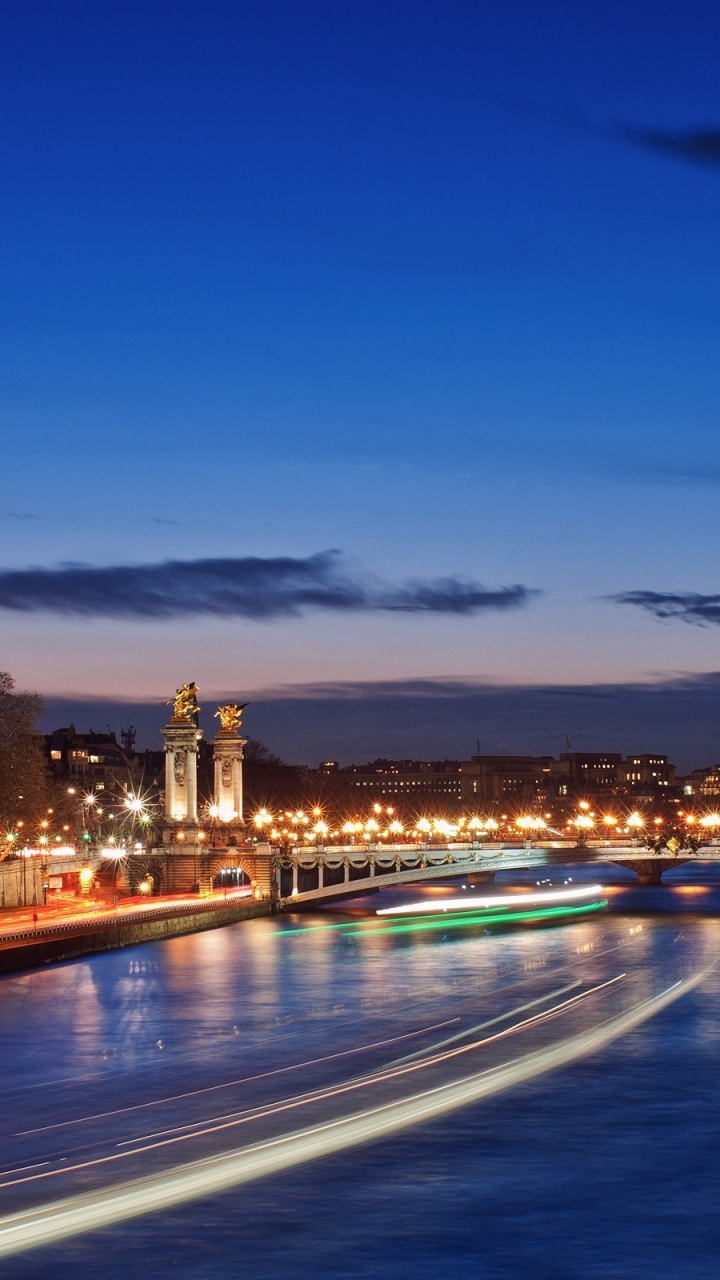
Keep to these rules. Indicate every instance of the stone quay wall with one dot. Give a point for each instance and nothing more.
(49, 945)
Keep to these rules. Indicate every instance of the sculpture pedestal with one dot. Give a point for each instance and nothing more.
(228, 756)
(181, 747)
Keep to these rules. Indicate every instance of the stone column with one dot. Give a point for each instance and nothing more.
(228, 756)
(181, 747)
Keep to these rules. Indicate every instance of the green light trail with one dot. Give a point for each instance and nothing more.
(448, 920)
(322, 928)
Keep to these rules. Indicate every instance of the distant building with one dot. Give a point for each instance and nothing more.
(503, 780)
(404, 780)
(588, 771)
(506, 779)
(702, 782)
(651, 771)
(597, 773)
(94, 761)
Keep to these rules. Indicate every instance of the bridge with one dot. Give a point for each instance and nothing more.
(314, 873)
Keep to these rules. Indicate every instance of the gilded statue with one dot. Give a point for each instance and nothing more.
(230, 716)
(185, 703)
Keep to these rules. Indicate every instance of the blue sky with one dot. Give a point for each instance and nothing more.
(433, 285)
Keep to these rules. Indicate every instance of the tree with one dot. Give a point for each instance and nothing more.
(23, 770)
(267, 780)
(256, 753)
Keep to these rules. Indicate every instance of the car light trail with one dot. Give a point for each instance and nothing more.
(50, 1223)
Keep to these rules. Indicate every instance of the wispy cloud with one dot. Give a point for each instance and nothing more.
(688, 606)
(247, 587)
(700, 146)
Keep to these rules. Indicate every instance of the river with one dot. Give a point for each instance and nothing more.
(317, 1096)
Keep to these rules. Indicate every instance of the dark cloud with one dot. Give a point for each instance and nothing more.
(689, 606)
(241, 588)
(436, 718)
(700, 146)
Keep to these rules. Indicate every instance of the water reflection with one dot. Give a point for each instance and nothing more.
(140, 1062)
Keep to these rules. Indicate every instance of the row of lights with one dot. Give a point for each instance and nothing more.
(384, 825)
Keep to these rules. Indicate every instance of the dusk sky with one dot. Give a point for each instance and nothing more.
(367, 353)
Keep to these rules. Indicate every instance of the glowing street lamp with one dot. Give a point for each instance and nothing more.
(444, 828)
(583, 822)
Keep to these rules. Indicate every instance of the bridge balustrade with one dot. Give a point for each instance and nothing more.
(317, 872)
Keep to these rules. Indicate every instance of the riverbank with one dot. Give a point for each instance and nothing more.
(48, 945)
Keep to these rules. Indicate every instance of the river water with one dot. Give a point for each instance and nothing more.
(317, 1096)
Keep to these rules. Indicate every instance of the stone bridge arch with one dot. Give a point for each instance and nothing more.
(149, 867)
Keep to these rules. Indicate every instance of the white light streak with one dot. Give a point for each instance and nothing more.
(48, 1224)
(506, 900)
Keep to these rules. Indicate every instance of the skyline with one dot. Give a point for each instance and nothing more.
(442, 720)
(368, 352)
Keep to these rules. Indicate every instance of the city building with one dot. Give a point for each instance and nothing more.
(93, 761)
(702, 782)
(506, 780)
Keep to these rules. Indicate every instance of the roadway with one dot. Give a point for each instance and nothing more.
(80, 915)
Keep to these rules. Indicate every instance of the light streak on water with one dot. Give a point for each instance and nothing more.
(493, 1022)
(418, 925)
(62, 1219)
(470, 910)
(498, 900)
(232, 1084)
(233, 1120)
